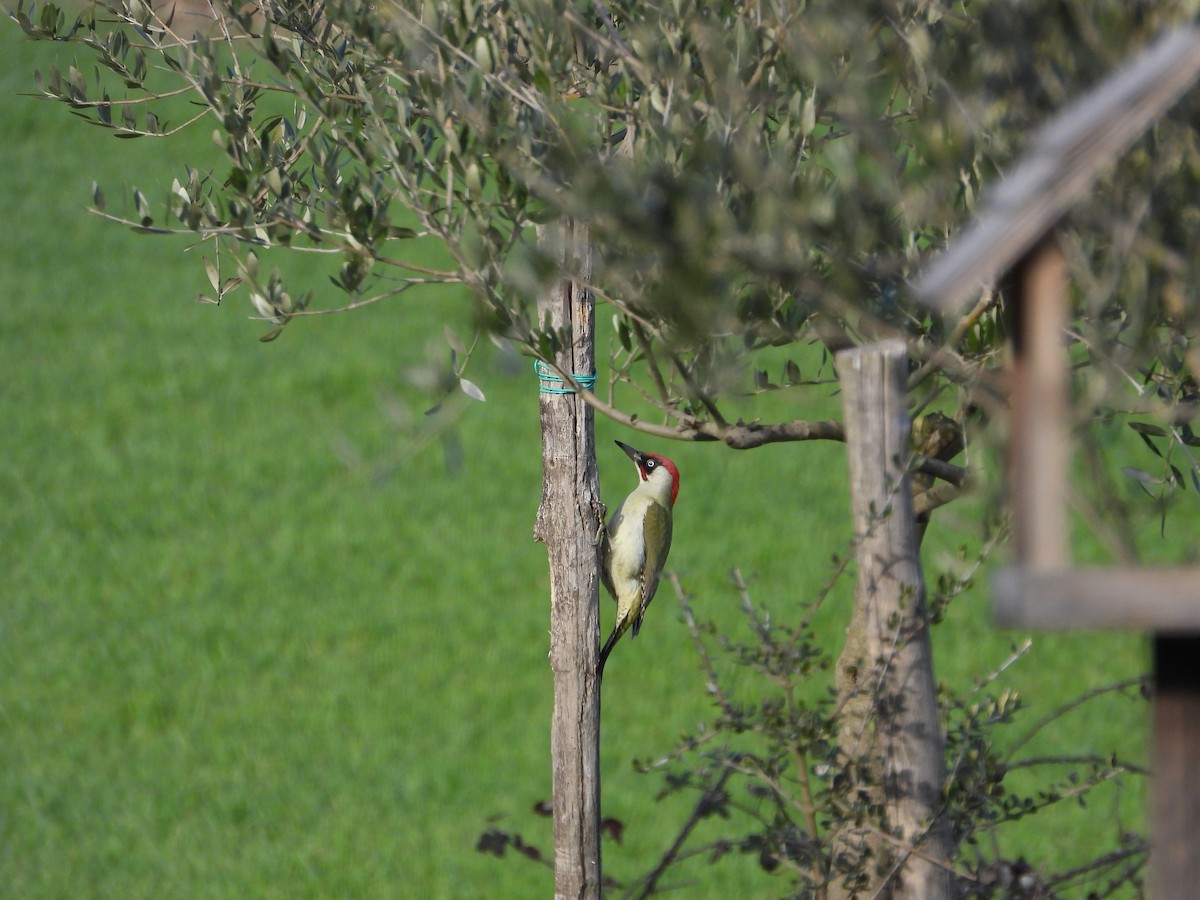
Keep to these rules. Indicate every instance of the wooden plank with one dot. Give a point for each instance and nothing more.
(1175, 853)
(1148, 599)
(1063, 160)
(1039, 450)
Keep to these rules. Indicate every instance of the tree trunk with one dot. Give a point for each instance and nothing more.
(890, 725)
(568, 523)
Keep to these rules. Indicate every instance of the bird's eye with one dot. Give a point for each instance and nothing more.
(650, 464)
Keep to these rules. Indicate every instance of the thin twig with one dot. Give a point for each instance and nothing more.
(1110, 763)
(698, 812)
(695, 391)
(639, 332)
(1054, 714)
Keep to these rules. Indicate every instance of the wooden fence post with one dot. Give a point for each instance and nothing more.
(567, 523)
(885, 674)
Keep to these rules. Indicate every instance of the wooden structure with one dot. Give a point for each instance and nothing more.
(568, 520)
(885, 685)
(1013, 238)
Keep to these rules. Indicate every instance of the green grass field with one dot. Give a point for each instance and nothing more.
(232, 665)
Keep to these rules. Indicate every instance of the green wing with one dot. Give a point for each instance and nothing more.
(657, 529)
(606, 553)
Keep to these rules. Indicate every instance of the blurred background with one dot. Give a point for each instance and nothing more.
(267, 629)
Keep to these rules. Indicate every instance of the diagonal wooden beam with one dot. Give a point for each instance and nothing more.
(1063, 160)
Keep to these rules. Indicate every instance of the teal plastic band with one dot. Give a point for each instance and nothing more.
(549, 383)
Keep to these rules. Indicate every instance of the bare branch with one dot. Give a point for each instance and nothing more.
(699, 811)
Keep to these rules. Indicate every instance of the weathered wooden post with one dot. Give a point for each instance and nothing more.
(885, 674)
(1041, 589)
(567, 522)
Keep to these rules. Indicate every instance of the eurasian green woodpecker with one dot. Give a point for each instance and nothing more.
(638, 540)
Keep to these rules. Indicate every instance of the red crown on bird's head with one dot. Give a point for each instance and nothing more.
(667, 464)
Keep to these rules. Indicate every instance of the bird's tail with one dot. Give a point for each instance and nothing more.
(607, 648)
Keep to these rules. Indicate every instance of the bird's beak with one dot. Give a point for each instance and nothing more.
(636, 455)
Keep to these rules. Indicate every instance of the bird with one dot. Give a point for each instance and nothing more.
(636, 542)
